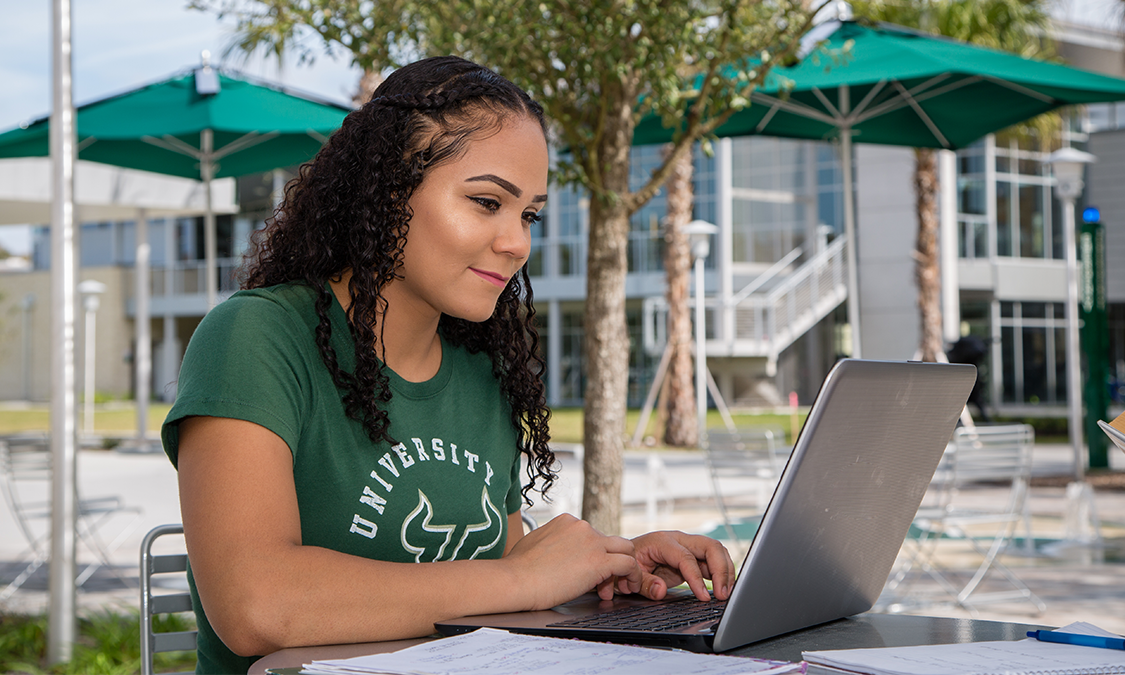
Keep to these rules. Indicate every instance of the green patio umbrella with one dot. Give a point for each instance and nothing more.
(894, 86)
(201, 124)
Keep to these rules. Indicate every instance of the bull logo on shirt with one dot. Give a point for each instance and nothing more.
(431, 541)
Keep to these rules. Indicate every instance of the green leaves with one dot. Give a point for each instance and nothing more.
(585, 62)
(109, 643)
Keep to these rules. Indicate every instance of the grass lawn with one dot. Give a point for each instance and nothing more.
(566, 423)
(114, 419)
(120, 420)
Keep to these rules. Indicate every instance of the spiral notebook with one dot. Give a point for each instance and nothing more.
(1020, 657)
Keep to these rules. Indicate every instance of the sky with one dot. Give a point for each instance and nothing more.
(123, 44)
(119, 45)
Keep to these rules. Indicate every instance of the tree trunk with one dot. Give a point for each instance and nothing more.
(927, 264)
(366, 86)
(606, 344)
(606, 339)
(681, 429)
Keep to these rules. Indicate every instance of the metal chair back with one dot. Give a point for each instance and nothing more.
(153, 643)
(966, 507)
(742, 462)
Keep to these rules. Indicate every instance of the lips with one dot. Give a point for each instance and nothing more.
(491, 277)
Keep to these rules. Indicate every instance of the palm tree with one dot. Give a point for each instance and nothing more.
(1018, 26)
(681, 426)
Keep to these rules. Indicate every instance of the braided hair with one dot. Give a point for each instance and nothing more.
(349, 209)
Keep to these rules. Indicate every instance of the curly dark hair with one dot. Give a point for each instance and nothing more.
(349, 209)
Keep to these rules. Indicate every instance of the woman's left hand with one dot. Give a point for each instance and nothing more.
(669, 559)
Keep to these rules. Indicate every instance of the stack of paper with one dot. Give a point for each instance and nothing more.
(488, 651)
(1022, 657)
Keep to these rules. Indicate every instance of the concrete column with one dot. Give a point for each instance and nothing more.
(724, 208)
(948, 242)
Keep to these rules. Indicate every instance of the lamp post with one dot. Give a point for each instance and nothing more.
(699, 235)
(91, 299)
(1068, 164)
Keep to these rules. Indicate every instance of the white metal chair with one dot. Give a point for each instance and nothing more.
(153, 643)
(25, 480)
(979, 459)
(741, 463)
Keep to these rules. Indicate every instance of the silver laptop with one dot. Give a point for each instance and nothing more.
(830, 534)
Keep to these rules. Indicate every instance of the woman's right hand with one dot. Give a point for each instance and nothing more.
(568, 557)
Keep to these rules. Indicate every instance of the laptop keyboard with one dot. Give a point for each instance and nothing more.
(662, 617)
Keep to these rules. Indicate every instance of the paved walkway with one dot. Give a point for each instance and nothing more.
(1076, 582)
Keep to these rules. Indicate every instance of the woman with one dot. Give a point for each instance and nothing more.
(363, 405)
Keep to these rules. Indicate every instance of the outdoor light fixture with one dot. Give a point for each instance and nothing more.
(1091, 214)
(699, 236)
(1068, 165)
(206, 77)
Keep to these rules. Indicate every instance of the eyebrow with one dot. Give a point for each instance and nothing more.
(507, 185)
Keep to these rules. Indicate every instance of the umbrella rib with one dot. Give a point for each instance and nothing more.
(85, 143)
(1023, 90)
(922, 114)
(317, 136)
(919, 92)
(795, 107)
(858, 110)
(827, 104)
(768, 116)
(169, 142)
(248, 141)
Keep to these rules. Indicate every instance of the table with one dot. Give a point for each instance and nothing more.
(861, 630)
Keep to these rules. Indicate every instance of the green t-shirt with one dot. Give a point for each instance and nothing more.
(442, 492)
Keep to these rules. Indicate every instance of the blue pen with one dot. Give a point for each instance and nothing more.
(1076, 639)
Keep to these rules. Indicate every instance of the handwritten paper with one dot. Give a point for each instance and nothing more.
(488, 651)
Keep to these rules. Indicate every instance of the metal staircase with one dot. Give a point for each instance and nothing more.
(764, 318)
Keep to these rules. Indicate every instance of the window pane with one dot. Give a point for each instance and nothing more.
(1035, 365)
(1031, 167)
(1008, 363)
(535, 260)
(1031, 221)
(972, 163)
(972, 196)
(1004, 219)
(1057, 249)
(538, 244)
(1060, 364)
(572, 384)
(980, 240)
(1033, 310)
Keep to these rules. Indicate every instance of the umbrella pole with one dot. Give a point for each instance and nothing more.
(207, 168)
(143, 352)
(62, 628)
(849, 231)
